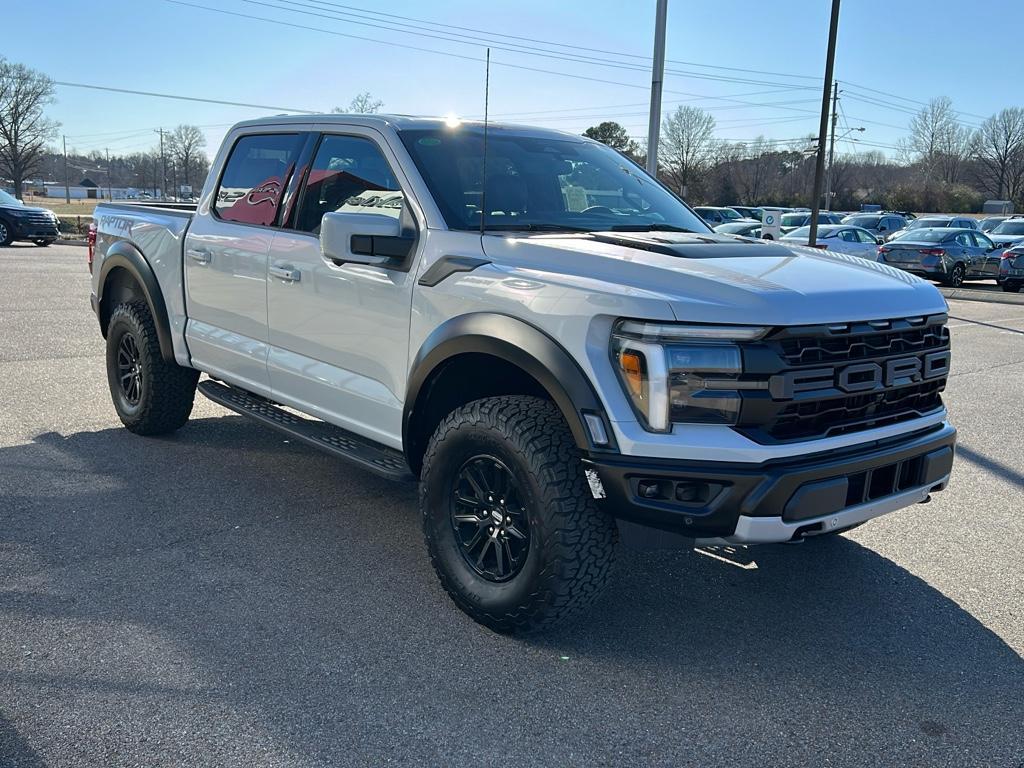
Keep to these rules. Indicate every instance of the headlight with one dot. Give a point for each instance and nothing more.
(677, 373)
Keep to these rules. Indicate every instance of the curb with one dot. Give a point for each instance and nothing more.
(992, 297)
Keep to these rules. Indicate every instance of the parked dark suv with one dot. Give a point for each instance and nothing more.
(21, 222)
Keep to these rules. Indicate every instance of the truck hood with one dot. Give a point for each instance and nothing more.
(722, 279)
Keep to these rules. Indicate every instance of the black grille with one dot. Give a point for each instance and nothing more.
(840, 347)
(828, 411)
(852, 413)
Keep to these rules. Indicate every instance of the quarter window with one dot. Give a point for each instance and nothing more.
(349, 175)
(255, 177)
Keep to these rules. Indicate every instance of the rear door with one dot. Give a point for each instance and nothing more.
(987, 254)
(339, 333)
(226, 251)
(969, 252)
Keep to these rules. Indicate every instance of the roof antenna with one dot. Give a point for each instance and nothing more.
(483, 186)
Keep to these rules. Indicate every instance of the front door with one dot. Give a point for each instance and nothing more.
(339, 334)
(226, 251)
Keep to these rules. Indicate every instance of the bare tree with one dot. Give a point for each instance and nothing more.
(186, 144)
(999, 149)
(937, 140)
(688, 145)
(362, 104)
(24, 129)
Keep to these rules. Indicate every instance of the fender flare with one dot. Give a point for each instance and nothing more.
(124, 255)
(522, 345)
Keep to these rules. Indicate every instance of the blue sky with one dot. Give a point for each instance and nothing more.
(912, 50)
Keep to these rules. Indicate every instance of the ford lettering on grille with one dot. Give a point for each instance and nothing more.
(861, 377)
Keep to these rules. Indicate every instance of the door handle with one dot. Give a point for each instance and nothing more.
(286, 272)
(199, 256)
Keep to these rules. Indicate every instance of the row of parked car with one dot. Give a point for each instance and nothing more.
(948, 249)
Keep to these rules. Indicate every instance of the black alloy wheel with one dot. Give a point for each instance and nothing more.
(129, 369)
(956, 277)
(491, 525)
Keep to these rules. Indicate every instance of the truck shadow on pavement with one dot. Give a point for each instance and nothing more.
(262, 597)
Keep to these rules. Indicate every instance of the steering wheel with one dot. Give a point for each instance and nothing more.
(599, 209)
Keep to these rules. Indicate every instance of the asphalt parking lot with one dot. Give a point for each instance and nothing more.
(223, 597)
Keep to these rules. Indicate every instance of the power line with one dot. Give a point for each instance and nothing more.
(450, 54)
(179, 97)
(364, 13)
(295, 6)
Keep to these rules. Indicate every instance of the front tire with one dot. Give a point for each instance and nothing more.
(1011, 287)
(151, 396)
(6, 234)
(512, 529)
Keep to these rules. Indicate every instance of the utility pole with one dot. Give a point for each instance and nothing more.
(163, 163)
(657, 76)
(110, 196)
(831, 146)
(67, 186)
(819, 169)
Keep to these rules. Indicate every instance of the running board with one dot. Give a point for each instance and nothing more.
(377, 458)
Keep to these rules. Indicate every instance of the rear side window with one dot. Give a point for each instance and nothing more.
(255, 176)
(349, 175)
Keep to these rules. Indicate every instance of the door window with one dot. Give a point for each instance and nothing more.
(982, 240)
(349, 175)
(964, 239)
(865, 237)
(848, 235)
(255, 176)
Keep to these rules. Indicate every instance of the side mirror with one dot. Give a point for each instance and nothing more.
(363, 238)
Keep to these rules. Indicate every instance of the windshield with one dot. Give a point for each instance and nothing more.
(1010, 228)
(794, 219)
(925, 223)
(805, 232)
(989, 224)
(868, 222)
(541, 183)
(729, 214)
(6, 199)
(737, 227)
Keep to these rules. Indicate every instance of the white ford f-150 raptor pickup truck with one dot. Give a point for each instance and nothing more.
(541, 334)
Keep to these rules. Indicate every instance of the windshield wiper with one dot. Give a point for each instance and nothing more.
(534, 228)
(651, 228)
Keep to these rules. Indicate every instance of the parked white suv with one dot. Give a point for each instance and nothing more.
(539, 333)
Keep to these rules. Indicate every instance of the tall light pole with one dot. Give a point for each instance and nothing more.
(819, 169)
(657, 76)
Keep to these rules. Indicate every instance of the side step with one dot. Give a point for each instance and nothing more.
(369, 455)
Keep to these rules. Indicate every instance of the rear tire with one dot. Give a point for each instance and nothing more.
(955, 279)
(1011, 287)
(505, 473)
(151, 396)
(6, 236)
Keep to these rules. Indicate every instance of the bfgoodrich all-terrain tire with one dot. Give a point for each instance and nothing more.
(512, 529)
(151, 395)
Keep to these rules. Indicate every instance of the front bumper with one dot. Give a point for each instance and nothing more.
(780, 500)
(22, 229)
